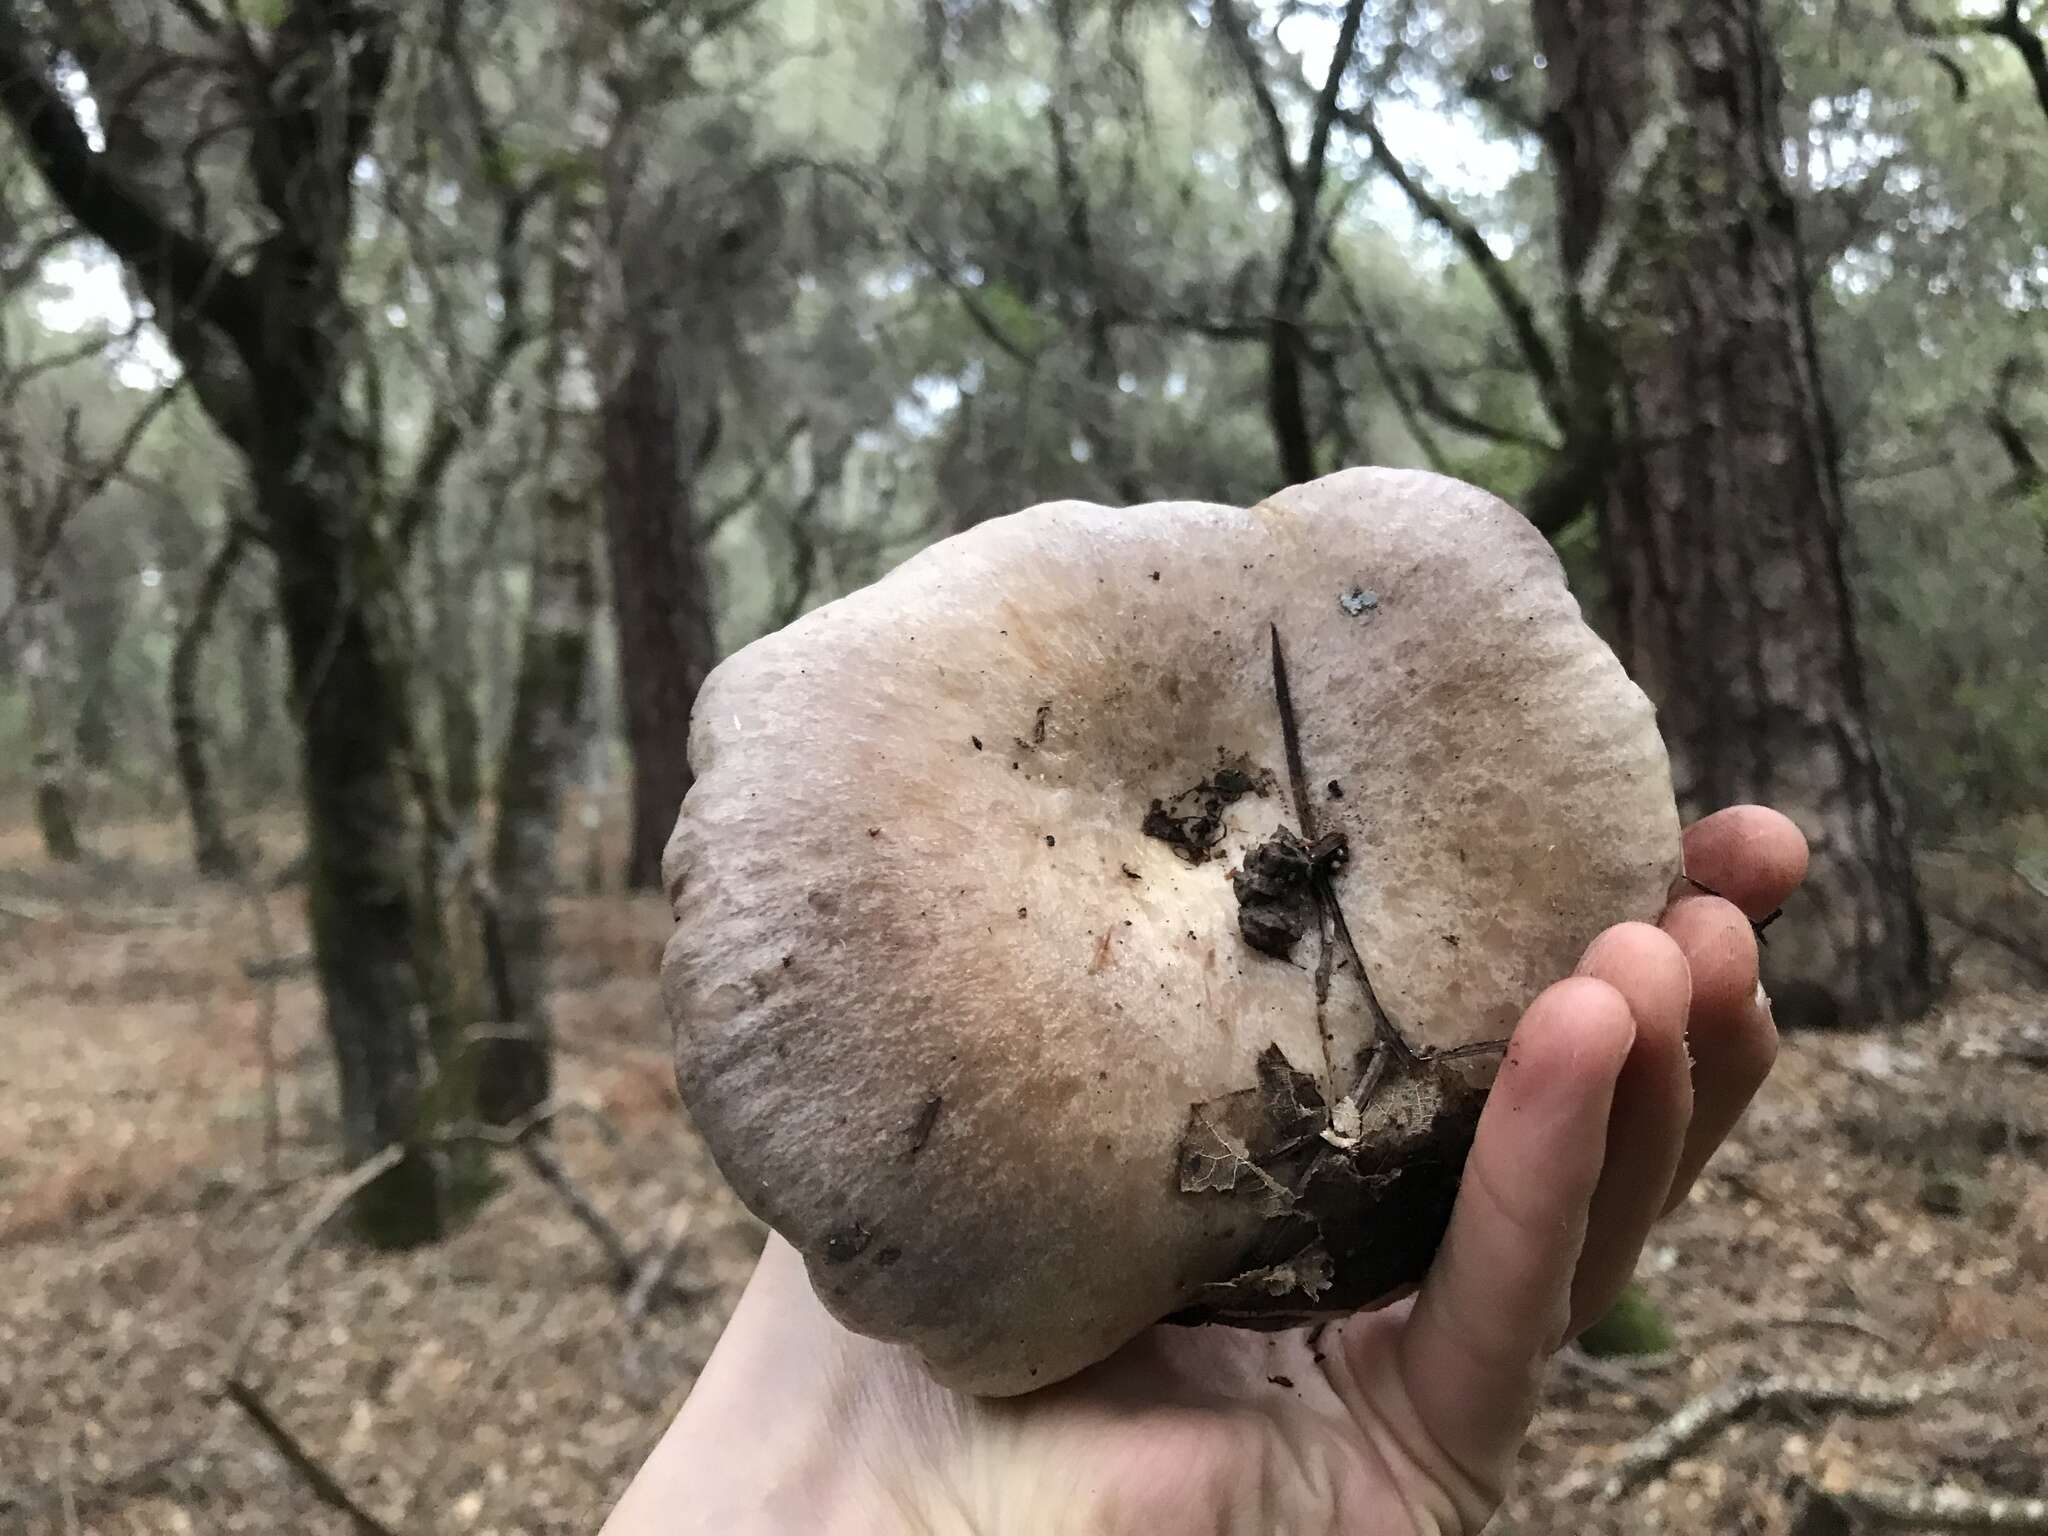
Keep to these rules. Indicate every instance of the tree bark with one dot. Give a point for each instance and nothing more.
(257, 689)
(543, 741)
(213, 851)
(40, 644)
(661, 588)
(96, 622)
(43, 673)
(1721, 508)
(454, 674)
(370, 945)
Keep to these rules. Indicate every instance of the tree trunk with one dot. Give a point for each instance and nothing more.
(50, 761)
(1721, 515)
(213, 852)
(543, 740)
(256, 686)
(41, 634)
(97, 623)
(661, 590)
(378, 976)
(454, 679)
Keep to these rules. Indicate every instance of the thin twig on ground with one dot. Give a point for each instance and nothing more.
(1646, 1456)
(325, 1209)
(548, 1168)
(1630, 1379)
(656, 1269)
(66, 1498)
(1880, 1502)
(316, 1477)
(1839, 1320)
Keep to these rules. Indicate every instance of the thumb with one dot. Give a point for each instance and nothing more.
(1497, 1300)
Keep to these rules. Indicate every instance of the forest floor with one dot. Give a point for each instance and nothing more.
(1879, 1224)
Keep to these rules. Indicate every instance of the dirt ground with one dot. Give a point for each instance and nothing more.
(1881, 1219)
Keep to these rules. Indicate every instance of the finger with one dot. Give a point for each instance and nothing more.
(1751, 856)
(1646, 1129)
(1498, 1298)
(1732, 1037)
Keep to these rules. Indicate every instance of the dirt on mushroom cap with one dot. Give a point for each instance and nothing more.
(1014, 946)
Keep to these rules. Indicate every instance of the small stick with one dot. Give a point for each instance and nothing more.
(1614, 1377)
(655, 1271)
(324, 1210)
(316, 1477)
(67, 1499)
(1326, 894)
(1290, 736)
(1834, 1319)
(1882, 1501)
(1644, 1457)
(1329, 915)
(584, 1209)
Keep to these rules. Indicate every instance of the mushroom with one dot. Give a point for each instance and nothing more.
(1114, 915)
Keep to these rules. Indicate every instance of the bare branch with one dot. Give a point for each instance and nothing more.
(199, 16)
(454, 419)
(2028, 472)
(81, 486)
(1235, 32)
(1507, 294)
(182, 275)
(2008, 26)
(1370, 332)
(1433, 400)
(1326, 99)
(458, 411)
(1958, 81)
(729, 507)
(23, 270)
(2032, 51)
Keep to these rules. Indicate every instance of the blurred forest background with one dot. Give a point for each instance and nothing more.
(402, 407)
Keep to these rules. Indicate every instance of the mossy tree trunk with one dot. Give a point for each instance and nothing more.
(1721, 511)
(543, 740)
(213, 851)
(44, 674)
(454, 676)
(39, 639)
(257, 689)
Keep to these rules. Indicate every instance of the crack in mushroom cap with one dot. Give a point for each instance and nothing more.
(942, 1007)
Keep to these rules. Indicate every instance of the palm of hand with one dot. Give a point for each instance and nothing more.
(1618, 1085)
(1187, 1431)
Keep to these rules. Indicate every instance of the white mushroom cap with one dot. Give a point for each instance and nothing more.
(943, 1007)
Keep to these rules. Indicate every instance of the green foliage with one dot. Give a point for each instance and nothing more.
(1632, 1326)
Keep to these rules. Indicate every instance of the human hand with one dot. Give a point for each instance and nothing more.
(1617, 1086)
